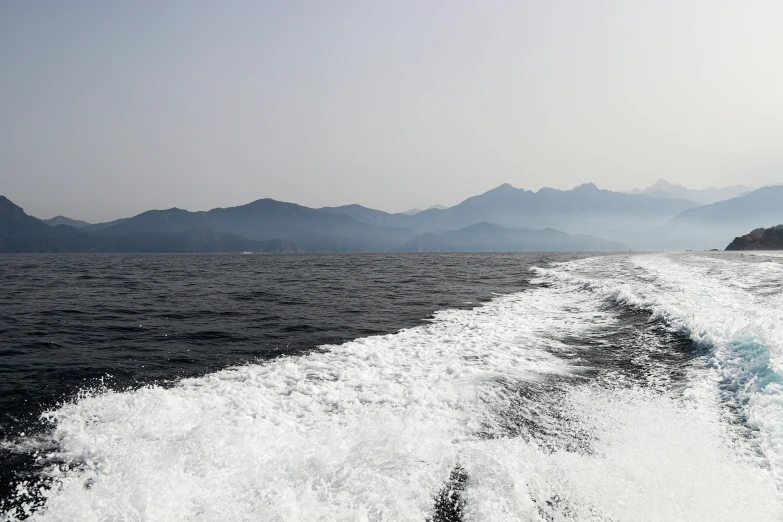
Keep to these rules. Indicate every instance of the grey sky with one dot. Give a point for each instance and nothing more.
(111, 108)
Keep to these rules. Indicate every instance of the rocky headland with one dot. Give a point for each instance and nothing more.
(759, 239)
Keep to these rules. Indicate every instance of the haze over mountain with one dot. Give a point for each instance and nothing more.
(99, 226)
(642, 221)
(267, 219)
(62, 220)
(413, 211)
(664, 189)
(715, 225)
(585, 209)
(78, 223)
(504, 219)
(761, 207)
(20, 232)
(486, 237)
(392, 105)
(268, 226)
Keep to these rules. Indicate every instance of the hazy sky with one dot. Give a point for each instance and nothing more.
(111, 108)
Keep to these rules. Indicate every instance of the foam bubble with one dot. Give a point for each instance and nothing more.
(654, 458)
(373, 429)
(730, 306)
(369, 429)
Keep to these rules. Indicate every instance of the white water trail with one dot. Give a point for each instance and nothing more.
(371, 430)
(725, 304)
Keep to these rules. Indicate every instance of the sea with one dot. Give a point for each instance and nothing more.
(372, 387)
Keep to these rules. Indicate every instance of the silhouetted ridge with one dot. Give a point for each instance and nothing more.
(585, 210)
(759, 239)
(173, 233)
(172, 220)
(587, 187)
(63, 220)
(16, 224)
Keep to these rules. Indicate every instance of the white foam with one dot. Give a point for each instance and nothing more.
(369, 429)
(655, 458)
(372, 429)
(730, 306)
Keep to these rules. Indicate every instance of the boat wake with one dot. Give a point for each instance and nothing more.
(618, 388)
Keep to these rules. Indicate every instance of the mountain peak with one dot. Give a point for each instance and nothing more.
(665, 189)
(505, 188)
(662, 184)
(590, 186)
(6, 205)
(414, 211)
(65, 220)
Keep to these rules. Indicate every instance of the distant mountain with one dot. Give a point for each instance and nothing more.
(265, 219)
(412, 211)
(308, 227)
(248, 227)
(485, 237)
(15, 223)
(759, 239)
(664, 189)
(62, 220)
(20, 232)
(758, 208)
(714, 225)
(633, 219)
(371, 216)
(99, 226)
(77, 223)
(169, 221)
(583, 210)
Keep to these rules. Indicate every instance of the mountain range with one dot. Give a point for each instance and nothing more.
(502, 219)
(486, 237)
(664, 189)
(413, 211)
(20, 232)
(715, 225)
(77, 223)
(582, 210)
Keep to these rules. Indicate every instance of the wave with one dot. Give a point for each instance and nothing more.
(376, 428)
(727, 305)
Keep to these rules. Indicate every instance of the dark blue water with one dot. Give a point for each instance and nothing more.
(75, 322)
